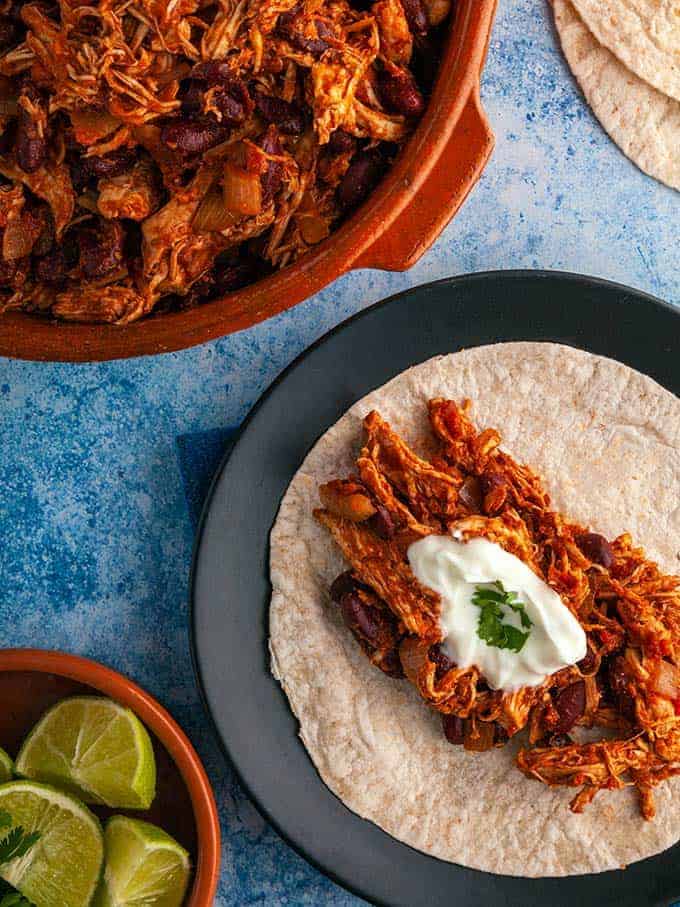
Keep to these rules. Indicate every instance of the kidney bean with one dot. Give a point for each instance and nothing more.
(112, 164)
(31, 146)
(382, 523)
(454, 729)
(192, 98)
(271, 181)
(287, 27)
(470, 494)
(391, 664)
(193, 137)
(234, 102)
(479, 736)
(272, 177)
(398, 91)
(588, 664)
(212, 72)
(231, 96)
(570, 703)
(362, 174)
(232, 110)
(342, 585)
(341, 142)
(288, 117)
(101, 248)
(596, 548)
(416, 16)
(618, 678)
(51, 268)
(360, 616)
(441, 660)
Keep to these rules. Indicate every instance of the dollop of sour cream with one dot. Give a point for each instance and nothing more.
(454, 568)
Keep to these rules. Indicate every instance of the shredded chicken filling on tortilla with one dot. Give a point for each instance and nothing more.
(628, 683)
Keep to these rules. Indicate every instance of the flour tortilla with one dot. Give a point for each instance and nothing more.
(643, 34)
(643, 122)
(606, 439)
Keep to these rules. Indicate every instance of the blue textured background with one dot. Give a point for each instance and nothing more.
(103, 467)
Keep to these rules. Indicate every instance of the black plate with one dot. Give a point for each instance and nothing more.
(230, 584)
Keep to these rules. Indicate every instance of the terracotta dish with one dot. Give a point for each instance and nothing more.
(401, 219)
(32, 680)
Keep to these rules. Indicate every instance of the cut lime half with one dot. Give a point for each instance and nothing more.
(144, 867)
(63, 867)
(6, 767)
(95, 749)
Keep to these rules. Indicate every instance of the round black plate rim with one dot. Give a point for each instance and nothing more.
(584, 281)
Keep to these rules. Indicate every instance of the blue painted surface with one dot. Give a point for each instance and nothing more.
(103, 467)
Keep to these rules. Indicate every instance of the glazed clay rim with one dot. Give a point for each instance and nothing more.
(389, 231)
(173, 738)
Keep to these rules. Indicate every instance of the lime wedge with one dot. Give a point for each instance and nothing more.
(63, 867)
(144, 866)
(95, 749)
(6, 767)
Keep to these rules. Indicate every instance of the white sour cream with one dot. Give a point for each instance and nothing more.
(454, 568)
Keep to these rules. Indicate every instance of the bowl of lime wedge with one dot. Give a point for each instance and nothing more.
(103, 800)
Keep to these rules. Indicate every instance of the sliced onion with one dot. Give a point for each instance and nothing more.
(212, 216)
(90, 126)
(242, 190)
(666, 680)
(19, 238)
(88, 201)
(313, 228)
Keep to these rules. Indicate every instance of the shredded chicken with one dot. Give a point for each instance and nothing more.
(629, 681)
(236, 134)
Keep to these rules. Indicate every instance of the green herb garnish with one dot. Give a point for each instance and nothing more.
(10, 897)
(490, 626)
(16, 843)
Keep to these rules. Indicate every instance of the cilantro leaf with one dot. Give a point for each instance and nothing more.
(16, 843)
(490, 627)
(10, 897)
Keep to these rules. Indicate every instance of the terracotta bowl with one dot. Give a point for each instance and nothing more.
(32, 680)
(427, 184)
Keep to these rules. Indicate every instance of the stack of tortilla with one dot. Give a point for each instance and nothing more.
(625, 55)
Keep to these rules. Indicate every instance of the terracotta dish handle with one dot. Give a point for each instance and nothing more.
(451, 179)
